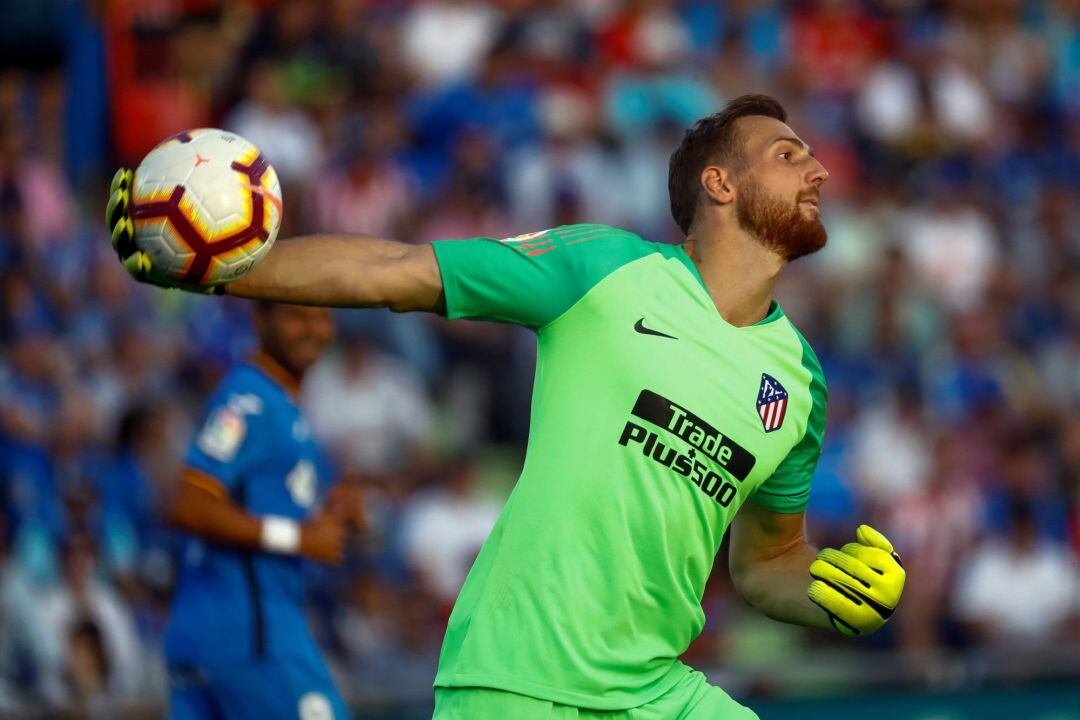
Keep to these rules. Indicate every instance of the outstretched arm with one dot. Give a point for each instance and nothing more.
(326, 270)
(346, 271)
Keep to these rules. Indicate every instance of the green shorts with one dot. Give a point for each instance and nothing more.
(691, 699)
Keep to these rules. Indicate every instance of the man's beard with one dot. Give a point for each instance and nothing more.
(778, 226)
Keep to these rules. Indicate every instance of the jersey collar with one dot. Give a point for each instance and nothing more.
(270, 367)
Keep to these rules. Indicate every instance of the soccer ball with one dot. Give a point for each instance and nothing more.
(206, 206)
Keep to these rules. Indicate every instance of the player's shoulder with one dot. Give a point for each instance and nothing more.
(245, 389)
(586, 233)
(595, 245)
(234, 414)
(594, 229)
(810, 360)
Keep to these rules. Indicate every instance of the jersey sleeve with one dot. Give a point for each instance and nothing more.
(226, 444)
(531, 279)
(788, 489)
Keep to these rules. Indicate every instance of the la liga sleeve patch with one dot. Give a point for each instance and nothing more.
(222, 434)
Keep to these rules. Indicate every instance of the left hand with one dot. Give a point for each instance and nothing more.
(859, 586)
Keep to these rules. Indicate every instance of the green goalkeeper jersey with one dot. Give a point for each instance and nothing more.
(653, 420)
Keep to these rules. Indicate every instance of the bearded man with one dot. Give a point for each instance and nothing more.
(673, 399)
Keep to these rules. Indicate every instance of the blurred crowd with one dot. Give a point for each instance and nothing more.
(945, 309)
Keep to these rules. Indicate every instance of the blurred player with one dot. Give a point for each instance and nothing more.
(671, 393)
(253, 496)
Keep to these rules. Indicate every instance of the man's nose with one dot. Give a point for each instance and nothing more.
(817, 173)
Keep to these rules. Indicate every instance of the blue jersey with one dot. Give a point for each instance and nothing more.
(233, 604)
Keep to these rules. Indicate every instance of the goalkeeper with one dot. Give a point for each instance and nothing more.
(672, 399)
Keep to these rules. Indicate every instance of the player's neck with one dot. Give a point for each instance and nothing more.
(739, 273)
(277, 371)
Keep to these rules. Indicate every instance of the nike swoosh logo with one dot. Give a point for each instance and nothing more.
(640, 327)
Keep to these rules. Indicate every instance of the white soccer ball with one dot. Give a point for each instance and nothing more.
(206, 206)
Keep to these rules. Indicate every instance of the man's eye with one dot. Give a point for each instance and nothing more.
(786, 154)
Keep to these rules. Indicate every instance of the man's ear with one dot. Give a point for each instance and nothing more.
(716, 182)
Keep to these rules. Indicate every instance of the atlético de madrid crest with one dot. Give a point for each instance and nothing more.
(771, 403)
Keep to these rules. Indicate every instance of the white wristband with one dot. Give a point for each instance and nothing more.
(280, 535)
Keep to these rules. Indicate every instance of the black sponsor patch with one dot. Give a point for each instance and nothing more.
(687, 464)
(682, 423)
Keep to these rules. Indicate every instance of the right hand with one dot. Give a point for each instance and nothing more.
(122, 228)
(323, 538)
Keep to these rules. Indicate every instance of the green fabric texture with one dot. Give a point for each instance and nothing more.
(692, 699)
(530, 280)
(645, 440)
(788, 489)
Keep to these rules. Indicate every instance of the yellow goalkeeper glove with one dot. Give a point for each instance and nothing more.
(859, 585)
(122, 228)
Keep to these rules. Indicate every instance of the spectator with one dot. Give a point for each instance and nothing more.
(894, 429)
(446, 40)
(1017, 590)
(937, 523)
(1060, 366)
(954, 246)
(371, 192)
(443, 531)
(283, 132)
(82, 598)
(40, 188)
(87, 675)
(369, 408)
(25, 575)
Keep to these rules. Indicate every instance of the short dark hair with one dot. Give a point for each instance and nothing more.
(712, 139)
